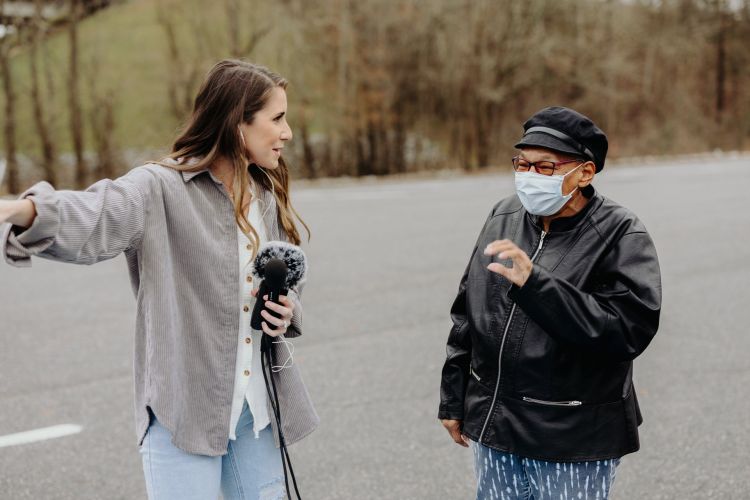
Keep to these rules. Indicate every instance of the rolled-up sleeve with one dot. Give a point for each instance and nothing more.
(81, 227)
(619, 319)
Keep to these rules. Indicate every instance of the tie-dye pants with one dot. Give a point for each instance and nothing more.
(504, 476)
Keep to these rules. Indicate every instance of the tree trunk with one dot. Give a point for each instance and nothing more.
(720, 62)
(482, 133)
(39, 114)
(233, 27)
(104, 119)
(74, 99)
(176, 66)
(398, 151)
(9, 128)
(308, 170)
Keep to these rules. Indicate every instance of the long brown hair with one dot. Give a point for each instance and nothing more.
(232, 93)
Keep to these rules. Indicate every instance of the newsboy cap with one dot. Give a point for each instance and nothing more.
(566, 131)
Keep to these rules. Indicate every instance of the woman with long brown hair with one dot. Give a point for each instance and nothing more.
(190, 227)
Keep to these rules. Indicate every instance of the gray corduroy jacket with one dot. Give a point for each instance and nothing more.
(179, 236)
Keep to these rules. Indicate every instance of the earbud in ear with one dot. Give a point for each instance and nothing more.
(242, 136)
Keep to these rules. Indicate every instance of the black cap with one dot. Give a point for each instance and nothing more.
(567, 131)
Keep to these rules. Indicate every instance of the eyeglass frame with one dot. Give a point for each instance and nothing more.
(533, 164)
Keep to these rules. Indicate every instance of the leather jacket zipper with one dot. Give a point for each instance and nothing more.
(502, 345)
(552, 403)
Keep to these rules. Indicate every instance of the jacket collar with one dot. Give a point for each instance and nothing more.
(267, 199)
(568, 223)
(188, 175)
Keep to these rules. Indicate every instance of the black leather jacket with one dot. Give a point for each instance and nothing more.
(545, 371)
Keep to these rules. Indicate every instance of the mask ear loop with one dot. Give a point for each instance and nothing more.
(573, 170)
(575, 188)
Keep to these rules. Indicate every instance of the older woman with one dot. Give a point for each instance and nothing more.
(561, 293)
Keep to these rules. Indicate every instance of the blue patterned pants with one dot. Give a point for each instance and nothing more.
(504, 476)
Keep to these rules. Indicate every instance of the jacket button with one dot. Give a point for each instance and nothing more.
(245, 308)
(249, 279)
(248, 340)
(249, 246)
(247, 373)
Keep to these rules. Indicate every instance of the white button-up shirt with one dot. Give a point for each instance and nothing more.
(248, 377)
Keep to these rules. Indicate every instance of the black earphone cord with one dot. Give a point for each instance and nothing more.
(267, 358)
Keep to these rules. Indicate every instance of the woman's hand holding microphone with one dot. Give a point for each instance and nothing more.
(285, 310)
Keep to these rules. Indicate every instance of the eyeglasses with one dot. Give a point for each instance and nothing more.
(543, 167)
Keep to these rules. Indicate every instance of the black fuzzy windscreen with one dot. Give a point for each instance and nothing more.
(291, 255)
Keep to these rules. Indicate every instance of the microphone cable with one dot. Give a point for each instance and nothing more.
(268, 361)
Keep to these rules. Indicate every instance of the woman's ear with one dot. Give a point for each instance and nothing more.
(588, 170)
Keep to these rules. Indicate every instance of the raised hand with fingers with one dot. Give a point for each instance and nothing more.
(521, 267)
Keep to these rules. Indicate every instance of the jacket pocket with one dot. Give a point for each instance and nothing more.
(552, 403)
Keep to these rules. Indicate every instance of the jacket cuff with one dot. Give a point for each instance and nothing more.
(451, 412)
(20, 244)
(520, 294)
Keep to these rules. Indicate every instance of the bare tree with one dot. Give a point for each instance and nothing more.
(187, 62)
(184, 72)
(387, 86)
(236, 18)
(6, 44)
(103, 103)
(102, 117)
(74, 99)
(722, 24)
(40, 112)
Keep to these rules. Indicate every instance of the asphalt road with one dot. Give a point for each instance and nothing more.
(385, 260)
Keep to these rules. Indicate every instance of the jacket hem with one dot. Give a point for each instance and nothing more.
(547, 458)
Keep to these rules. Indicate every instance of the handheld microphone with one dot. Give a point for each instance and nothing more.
(280, 266)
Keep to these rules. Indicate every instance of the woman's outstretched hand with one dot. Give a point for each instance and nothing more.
(285, 310)
(17, 212)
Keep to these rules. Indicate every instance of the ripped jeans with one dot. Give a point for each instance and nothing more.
(505, 476)
(250, 470)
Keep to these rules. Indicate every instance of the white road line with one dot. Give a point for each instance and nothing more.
(43, 434)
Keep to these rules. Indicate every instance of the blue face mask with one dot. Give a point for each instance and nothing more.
(542, 194)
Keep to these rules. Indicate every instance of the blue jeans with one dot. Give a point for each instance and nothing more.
(505, 476)
(250, 470)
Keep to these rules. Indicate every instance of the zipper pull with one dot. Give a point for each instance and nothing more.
(539, 248)
(541, 240)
